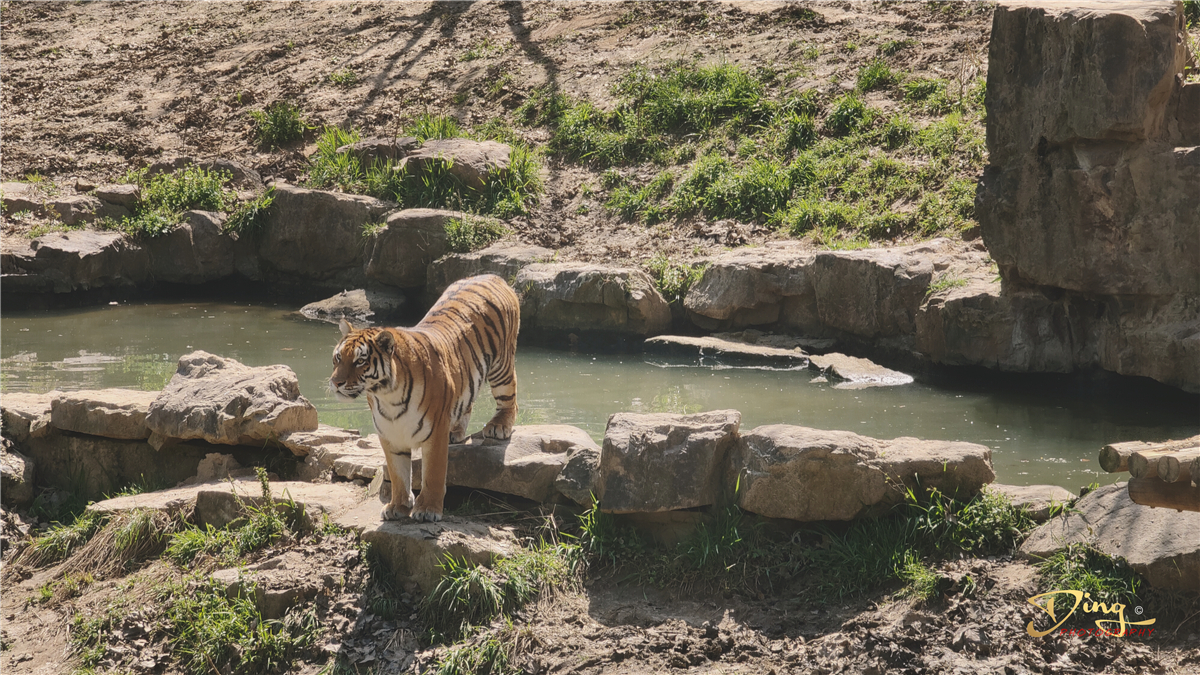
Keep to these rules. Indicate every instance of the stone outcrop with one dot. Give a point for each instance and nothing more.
(662, 462)
(360, 306)
(1158, 543)
(94, 466)
(410, 240)
(61, 262)
(316, 235)
(279, 583)
(25, 414)
(239, 173)
(198, 251)
(370, 151)
(1035, 499)
(222, 401)
(475, 163)
(111, 413)
(503, 259)
(811, 474)
(526, 465)
(16, 476)
(328, 451)
(66, 209)
(585, 298)
(579, 479)
(1088, 204)
(417, 550)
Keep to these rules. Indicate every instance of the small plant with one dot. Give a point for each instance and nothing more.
(945, 282)
(673, 279)
(280, 123)
(1082, 567)
(60, 540)
(876, 74)
(847, 115)
(485, 49)
(892, 47)
(330, 168)
(920, 581)
(250, 216)
(429, 126)
(165, 196)
(346, 77)
(470, 233)
(642, 203)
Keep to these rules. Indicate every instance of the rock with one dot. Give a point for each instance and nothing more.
(26, 414)
(197, 251)
(503, 259)
(318, 235)
(716, 351)
(851, 372)
(16, 476)
(121, 194)
(475, 163)
(526, 465)
(417, 550)
(1090, 186)
(1153, 541)
(74, 209)
(872, 293)
(281, 582)
(1036, 499)
(217, 502)
(581, 297)
(111, 413)
(810, 474)
(85, 259)
(377, 149)
(217, 466)
(579, 479)
(807, 345)
(338, 451)
(223, 401)
(749, 287)
(662, 462)
(92, 466)
(66, 209)
(359, 306)
(410, 240)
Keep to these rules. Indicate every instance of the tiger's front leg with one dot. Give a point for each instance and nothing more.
(399, 468)
(434, 460)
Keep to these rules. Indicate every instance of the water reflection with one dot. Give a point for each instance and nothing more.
(1038, 435)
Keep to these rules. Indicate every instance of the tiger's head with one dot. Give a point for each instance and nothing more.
(362, 361)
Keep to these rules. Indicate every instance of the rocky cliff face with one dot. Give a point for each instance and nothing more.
(1091, 203)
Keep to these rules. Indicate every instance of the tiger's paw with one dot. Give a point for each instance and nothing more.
(457, 437)
(424, 512)
(497, 431)
(394, 512)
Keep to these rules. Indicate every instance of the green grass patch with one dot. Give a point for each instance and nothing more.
(1082, 567)
(277, 125)
(483, 50)
(250, 217)
(471, 233)
(346, 77)
(641, 203)
(61, 540)
(673, 278)
(429, 126)
(165, 196)
(875, 75)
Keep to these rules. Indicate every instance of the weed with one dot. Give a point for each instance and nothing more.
(250, 216)
(545, 105)
(944, 282)
(185, 546)
(809, 214)
(795, 131)
(642, 203)
(1082, 567)
(491, 654)
(165, 196)
(850, 47)
(847, 115)
(920, 581)
(485, 49)
(330, 168)
(753, 193)
(89, 635)
(46, 228)
(345, 77)
(280, 123)
(892, 47)
(989, 523)
(470, 233)
(428, 126)
(673, 279)
(496, 86)
(876, 74)
(60, 540)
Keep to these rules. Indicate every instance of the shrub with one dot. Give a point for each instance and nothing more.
(470, 233)
(280, 123)
(250, 216)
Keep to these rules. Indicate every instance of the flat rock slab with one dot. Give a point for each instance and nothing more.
(808, 345)
(712, 350)
(281, 583)
(343, 452)
(526, 465)
(503, 259)
(222, 401)
(1161, 544)
(1036, 499)
(111, 413)
(24, 414)
(217, 505)
(357, 306)
(416, 550)
(850, 372)
(808, 474)
(664, 462)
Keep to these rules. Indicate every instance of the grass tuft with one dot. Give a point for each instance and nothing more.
(1082, 567)
(61, 540)
(673, 279)
(875, 75)
(250, 216)
(471, 233)
(280, 123)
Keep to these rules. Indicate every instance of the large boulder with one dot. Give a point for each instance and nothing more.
(408, 242)
(1161, 544)
(16, 476)
(1091, 182)
(282, 582)
(811, 474)
(359, 306)
(222, 401)
(378, 150)
(872, 293)
(196, 251)
(111, 413)
(750, 287)
(587, 298)
(416, 551)
(475, 163)
(317, 235)
(526, 465)
(84, 259)
(662, 462)
(503, 259)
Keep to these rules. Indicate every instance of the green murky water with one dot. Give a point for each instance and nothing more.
(1038, 434)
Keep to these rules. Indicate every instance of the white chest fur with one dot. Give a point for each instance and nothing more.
(402, 425)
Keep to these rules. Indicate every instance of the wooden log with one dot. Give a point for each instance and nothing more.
(1154, 492)
(1177, 466)
(1144, 463)
(1114, 458)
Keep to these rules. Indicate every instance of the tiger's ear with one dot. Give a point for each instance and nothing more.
(345, 326)
(385, 341)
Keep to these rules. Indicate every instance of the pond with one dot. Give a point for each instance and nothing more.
(1038, 432)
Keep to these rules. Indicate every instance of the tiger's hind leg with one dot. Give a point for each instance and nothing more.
(503, 381)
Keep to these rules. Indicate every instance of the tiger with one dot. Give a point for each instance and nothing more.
(421, 383)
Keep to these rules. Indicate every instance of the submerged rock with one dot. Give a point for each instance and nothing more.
(1160, 544)
(222, 401)
(357, 306)
(713, 350)
(850, 372)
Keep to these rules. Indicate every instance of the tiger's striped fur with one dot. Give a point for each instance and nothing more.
(421, 382)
